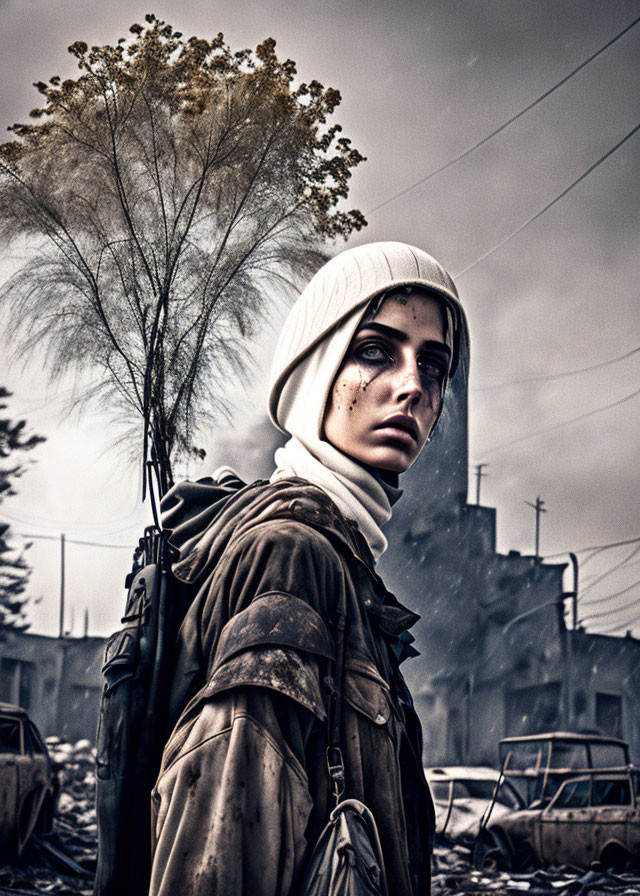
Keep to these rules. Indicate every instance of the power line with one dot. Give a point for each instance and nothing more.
(624, 607)
(597, 548)
(506, 124)
(557, 376)
(49, 524)
(594, 575)
(596, 551)
(610, 597)
(539, 432)
(613, 568)
(601, 600)
(587, 604)
(550, 204)
(90, 544)
(626, 625)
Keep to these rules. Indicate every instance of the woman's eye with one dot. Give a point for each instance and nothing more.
(371, 351)
(429, 367)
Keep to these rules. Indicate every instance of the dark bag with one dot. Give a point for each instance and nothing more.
(347, 859)
(134, 721)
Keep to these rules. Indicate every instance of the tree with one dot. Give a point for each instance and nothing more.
(14, 570)
(160, 194)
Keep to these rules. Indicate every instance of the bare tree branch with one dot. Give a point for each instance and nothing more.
(161, 194)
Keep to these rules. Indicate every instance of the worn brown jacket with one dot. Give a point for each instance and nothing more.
(243, 791)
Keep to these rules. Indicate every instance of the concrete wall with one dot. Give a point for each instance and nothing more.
(496, 658)
(57, 680)
(530, 677)
(484, 615)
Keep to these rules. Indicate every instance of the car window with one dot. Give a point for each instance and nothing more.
(610, 792)
(607, 755)
(572, 794)
(10, 736)
(477, 790)
(532, 754)
(439, 790)
(508, 796)
(569, 755)
(28, 740)
(34, 741)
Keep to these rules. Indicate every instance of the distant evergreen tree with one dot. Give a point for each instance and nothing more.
(14, 569)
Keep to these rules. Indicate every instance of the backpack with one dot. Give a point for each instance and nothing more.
(347, 859)
(134, 722)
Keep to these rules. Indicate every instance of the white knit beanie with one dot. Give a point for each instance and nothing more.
(346, 282)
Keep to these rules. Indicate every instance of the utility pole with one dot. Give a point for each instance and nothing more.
(569, 645)
(479, 475)
(62, 585)
(574, 593)
(539, 508)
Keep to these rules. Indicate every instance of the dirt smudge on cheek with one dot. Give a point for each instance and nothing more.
(364, 379)
(348, 390)
(337, 396)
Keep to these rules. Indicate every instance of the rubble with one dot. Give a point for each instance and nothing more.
(75, 835)
(453, 873)
(44, 865)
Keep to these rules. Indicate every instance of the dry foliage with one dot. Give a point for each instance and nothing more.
(161, 194)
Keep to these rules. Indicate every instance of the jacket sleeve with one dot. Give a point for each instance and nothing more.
(274, 558)
(230, 812)
(233, 799)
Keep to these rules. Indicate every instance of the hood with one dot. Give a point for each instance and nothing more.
(348, 282)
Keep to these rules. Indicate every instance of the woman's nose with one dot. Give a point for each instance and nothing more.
(409, 385)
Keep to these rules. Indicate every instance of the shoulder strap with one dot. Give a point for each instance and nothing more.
(335, 761)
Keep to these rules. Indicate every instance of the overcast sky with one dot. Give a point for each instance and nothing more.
(421, 81)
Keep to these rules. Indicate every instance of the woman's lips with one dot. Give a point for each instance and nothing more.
(399, 427)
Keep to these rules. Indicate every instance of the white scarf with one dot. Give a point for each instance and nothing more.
(312, 345)
(359, 494)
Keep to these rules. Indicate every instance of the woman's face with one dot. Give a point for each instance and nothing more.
(386, 397)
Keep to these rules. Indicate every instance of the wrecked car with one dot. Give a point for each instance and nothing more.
(28, 782)
(462, 795)
(592, 817)
(537, 764)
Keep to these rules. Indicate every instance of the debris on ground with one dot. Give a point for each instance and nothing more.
(453, 873)
(63, 861)
(45, 866)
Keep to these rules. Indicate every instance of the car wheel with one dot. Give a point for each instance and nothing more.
(525, 860)
(617, 859)
(492, 851)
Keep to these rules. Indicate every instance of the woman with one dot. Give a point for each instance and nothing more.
(358, 382)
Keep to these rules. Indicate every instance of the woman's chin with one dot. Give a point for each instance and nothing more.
(390, 461)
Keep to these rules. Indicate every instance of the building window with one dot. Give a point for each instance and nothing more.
(16, 682)
(533, 709)
(609, 714)
(8, 669)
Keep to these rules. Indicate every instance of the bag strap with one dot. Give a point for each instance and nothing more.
(335, 761)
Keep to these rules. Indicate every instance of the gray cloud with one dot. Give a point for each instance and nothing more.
(421, 81)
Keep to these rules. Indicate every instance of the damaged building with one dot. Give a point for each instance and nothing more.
(497, 656)
(57, 680)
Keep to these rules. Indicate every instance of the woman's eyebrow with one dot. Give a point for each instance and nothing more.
(401, 336)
